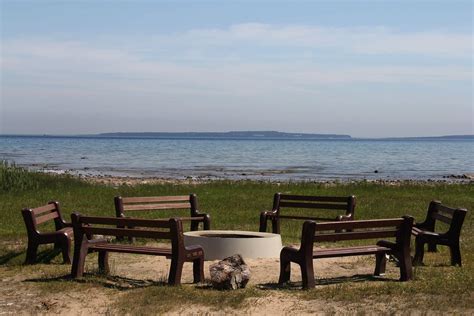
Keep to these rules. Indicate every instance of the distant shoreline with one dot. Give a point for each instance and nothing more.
(243, 136)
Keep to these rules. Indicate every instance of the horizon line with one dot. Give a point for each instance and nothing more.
(131, 134)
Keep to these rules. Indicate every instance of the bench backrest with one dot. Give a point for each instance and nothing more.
(125, 205)
(331, 203)
(454, 217)
(400, 228)
(42, 214)
(170, 229)
(346, 204)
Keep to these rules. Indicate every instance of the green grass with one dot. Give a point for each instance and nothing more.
(237, 205)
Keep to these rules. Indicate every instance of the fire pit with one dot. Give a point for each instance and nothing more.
(219, 244)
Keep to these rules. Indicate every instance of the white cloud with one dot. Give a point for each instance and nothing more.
(362, 40)
(168, 75)
(77, 64)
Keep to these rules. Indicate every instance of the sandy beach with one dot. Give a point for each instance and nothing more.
(20, 294)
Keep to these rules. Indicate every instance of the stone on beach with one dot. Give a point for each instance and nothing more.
(230, 273)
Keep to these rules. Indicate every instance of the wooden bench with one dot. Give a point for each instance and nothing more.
(61, 237)
(170, 229)
(329, 203)
(425, 232)
(125, 205)
(400, 228)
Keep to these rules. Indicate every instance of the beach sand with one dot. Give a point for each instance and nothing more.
(21, 294)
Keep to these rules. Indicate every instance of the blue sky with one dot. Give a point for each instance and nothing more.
(365, 68)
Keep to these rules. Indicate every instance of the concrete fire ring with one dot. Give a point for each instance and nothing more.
(219, 244)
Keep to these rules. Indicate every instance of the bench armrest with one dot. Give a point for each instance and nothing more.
(428, 233)
(423, 225)
(268, 214)
(66, 224)
(386, 243)
(344, 218)
(97, 240)
(201, 217)
(264, 217)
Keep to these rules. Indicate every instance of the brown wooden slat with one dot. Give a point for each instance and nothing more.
(367, 250)
(336, 199)
(445, 209)
(136, 222)
(44, 218)
(314, 205)
(442, 218)
(303, 217)
(132, 249)
(163, 206)
(197, 218)
(341, 248)
(124, 232)
(371, 223)
(356, 235)
(415, 231)
(151, 199)
(43, 209)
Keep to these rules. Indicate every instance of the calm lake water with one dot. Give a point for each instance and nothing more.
(243, 158)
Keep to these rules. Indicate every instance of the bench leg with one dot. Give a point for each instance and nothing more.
(380, 264)
(455, 254)
(198, 270)
(65, 243)
(285, 270)
(176, 271)
(31, 252)
(77, 269)
(419, 252)
(307, 273)
(432, 247)
(104, 262)
(406, 268)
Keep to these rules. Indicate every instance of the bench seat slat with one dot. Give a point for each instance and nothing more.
(194, 218)
(162, 206)
(151, 199)
(416, 231)
(123, 232)
(350, 251)
(131, 249)
(158, 223)
(44, 218)
(43, 209)
(356, 235)
(427, 233)
(327, 206)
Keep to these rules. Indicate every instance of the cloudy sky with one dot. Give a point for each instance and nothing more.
(364, 68)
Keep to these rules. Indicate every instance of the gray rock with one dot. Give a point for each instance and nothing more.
(230, 273)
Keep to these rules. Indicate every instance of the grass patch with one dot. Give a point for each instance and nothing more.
(449, 287)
